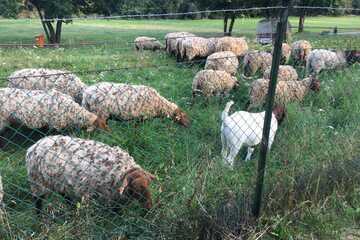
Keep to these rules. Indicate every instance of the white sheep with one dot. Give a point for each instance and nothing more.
(47, 79)
(147, 43)
(77, 168)
(127, 102)
(321, 59)
(38, 109)
(171, 40)
(256, 61)
(213, 82)
(286, 73)
(195, 47)
(238, 46)
(300, 51)
(245, 129)
(224, 61)
(286, 91)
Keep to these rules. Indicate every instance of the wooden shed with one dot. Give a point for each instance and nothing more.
(266, 29)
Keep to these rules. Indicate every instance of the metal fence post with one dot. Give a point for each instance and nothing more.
(281, 29)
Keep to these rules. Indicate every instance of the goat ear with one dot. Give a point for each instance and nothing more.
(123, 186)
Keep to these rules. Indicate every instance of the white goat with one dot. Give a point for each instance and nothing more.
(245, 129)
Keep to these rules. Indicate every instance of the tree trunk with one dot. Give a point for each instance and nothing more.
(58, 31)
(231, 24)
(226, 17)
(52, 33)
(301, 22)
(43, 24)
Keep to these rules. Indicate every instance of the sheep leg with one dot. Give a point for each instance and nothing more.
(249, 153)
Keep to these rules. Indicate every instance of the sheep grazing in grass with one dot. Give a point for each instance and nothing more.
(196, 47)
(286, 91)
(285, 53)
(286, 73)
(39, 109)
(126, 102)
(172, 38)
(245, 129)
(238, 46)
(300, 51)
(255, 61)
(47, 79)
(77, 168)
(322, 59)
(223, 61)
(213, 82)
(147, 43)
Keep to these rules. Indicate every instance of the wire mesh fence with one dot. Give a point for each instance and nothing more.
(153, 148)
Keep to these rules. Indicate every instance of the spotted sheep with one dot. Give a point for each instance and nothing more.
(171, 40)
(190, 48)
(128, 102)
(47, 79)
(236, 45)
(255, 61)
(78, 168)
(224, 61)
(286, 91)
(213, 82)
(39, 109)
(300, 51)
(147, 43)
(286, 73)
(321, 59)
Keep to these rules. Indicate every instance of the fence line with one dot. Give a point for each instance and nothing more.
(154, 15)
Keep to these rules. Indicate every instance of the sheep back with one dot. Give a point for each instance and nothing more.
(172, 38)
(213, 82)
(192, 47)
(224, 61)
(320, 59)
(47, 79)
(126, 102)
(77, 167)
(238, 46)
(286, 73)
(147, 43)
(286, 91)
(37, 109)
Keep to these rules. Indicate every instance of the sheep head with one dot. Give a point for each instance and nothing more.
(279, 112)
(352, 56)
(181, 117)
(136, 186)
(101, 123)
(314, 84)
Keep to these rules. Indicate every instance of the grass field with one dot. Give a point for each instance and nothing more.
(301, 200)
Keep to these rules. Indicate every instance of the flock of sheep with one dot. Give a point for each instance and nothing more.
(58, 99)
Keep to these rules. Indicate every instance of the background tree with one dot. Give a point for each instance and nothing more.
(53, 12)
(10, 8)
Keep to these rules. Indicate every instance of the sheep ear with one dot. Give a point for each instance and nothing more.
(123, 186)
(151, 176)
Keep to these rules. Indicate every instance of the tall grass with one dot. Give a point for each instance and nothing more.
(193, 182)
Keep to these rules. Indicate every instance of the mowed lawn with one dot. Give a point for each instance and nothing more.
(191, 175)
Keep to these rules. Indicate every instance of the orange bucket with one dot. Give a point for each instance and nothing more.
(40, 41)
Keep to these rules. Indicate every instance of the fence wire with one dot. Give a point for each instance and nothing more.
(84, 159)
